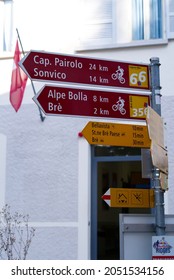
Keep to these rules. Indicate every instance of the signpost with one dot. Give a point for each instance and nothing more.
(159, 193)
(112, 134)
(54, 67)
(59, 68)
(56, 100)
(134, 198)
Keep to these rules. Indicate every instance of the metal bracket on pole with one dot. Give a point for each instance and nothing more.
(156, 105)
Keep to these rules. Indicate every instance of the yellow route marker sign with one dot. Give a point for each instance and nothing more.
(138, 106)
(138, 76)
(111, 134)
(134, 198)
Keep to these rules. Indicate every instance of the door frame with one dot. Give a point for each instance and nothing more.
(94, 162)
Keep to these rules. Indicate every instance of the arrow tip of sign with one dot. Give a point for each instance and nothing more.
(107, 197)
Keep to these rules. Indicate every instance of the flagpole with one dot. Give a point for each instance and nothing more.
(40, 112)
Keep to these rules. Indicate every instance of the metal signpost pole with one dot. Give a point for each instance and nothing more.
(159, 193)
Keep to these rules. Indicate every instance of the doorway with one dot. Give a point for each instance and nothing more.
(116, 167)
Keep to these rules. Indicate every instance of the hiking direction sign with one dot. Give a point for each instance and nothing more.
(56, 100)
(55, 67)
(116, 134)
(134, 198)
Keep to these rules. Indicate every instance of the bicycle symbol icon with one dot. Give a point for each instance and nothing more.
(119, 106)
(119, 75)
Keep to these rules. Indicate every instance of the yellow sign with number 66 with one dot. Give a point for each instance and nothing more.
(138, 76)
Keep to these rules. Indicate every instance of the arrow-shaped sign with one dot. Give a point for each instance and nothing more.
(116, 134)
(134, 198)
(57, 100)
(56, 67)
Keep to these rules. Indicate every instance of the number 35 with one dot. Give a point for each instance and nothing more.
(139, 112)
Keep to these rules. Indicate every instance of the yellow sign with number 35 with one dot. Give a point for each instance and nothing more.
(138, 106)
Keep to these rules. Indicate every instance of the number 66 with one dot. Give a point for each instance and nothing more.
(140, 77)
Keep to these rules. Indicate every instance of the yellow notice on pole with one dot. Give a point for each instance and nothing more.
(101, 133)
(134, 198)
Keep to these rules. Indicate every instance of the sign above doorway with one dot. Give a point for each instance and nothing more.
(134, 198)
(116, 134)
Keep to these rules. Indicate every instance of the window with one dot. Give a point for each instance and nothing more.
(170, 19)
(146, 19)
(96, 21)
(6, 16)
(115, 22)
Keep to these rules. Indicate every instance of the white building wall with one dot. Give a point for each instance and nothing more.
(47, 166)
(42, 162)
(3, 151)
